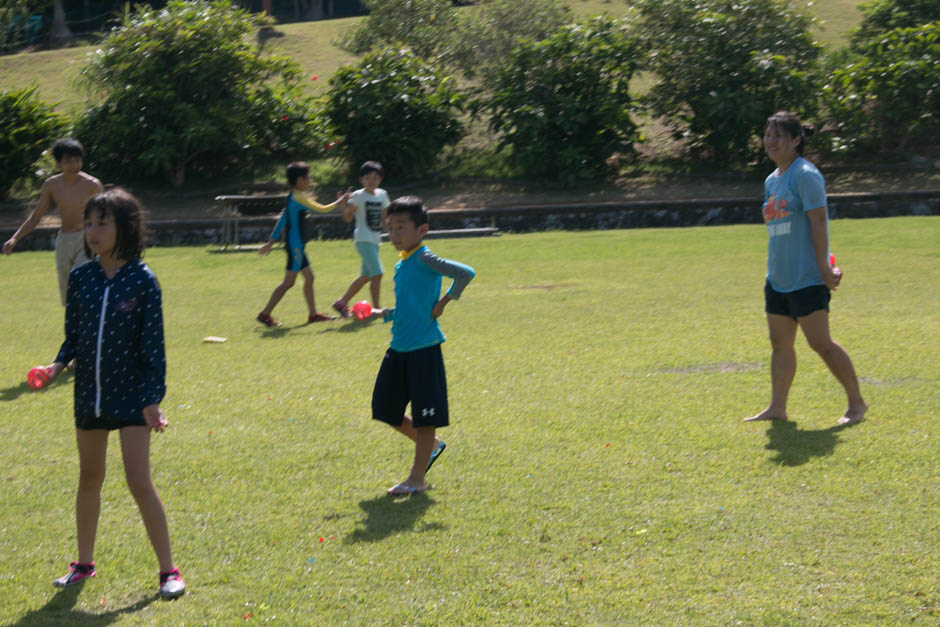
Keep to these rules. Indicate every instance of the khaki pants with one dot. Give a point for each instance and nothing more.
(69, 253)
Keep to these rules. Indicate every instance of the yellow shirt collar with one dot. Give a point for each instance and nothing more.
(407, 253)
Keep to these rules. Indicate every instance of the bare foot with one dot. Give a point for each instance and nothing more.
(853, 414)
(771, 413)
(406, 487)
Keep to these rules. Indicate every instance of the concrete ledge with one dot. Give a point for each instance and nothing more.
(529, 218)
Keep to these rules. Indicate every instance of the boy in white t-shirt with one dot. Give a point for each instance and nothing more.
(367, 205)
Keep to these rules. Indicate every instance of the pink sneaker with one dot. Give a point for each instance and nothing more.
(171, 584)
(267, 320)
(77, 573)
(342, 309)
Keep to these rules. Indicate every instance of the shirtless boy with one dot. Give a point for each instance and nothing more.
(68, 191)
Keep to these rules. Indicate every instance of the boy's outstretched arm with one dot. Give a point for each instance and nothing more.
(313, 205)
(30, 223)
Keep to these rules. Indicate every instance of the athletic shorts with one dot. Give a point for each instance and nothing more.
(416, 377)
(796, 304)
(88, 423)
(371, 265)
(296, 259)
(69, 253)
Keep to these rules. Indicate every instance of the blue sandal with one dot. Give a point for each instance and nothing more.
(435, 454)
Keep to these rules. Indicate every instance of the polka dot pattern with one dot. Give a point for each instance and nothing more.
(114, 330)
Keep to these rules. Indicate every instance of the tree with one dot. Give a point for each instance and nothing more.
(488, 35)
(28, 126)
(885, 97)
(723, 66)
(425, 26)
(396, 108)
(186, 88)
(563, 103)
(881, 16)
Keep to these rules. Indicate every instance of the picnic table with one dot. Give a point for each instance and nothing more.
(239, 206)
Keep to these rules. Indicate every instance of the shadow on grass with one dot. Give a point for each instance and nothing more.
(386, 516)
(59, 611)
(795, 446)
(15, 391)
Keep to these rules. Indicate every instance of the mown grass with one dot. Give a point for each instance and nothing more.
(597, 472)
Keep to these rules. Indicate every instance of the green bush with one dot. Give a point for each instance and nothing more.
(723, 66)
(563, 103)
(886, 96)
(492, 30)
(28, 126)
(425, 26)
(396, 108)
(186, 89)
(882, 16)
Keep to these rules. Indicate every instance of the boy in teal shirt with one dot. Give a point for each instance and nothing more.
(413, 368)
(291, 223)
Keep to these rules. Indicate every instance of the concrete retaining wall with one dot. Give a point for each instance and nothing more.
(523, 219)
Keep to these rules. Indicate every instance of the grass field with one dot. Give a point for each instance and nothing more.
(312, 45)
(597, 472)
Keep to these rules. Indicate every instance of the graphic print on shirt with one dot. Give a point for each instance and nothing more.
(775, 211)
(374, 215)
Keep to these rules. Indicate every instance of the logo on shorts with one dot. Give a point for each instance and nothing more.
(427, 412)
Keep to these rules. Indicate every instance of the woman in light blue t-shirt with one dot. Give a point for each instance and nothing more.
(799, 275)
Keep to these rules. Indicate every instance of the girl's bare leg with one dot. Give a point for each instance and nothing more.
(135, 449)
(782, 331)
(92, 460)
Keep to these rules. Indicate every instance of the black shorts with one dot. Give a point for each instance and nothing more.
(417, 377)
(796, 304)
(296, 259)
(88, 423)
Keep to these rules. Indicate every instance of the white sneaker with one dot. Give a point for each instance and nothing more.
(171, 584)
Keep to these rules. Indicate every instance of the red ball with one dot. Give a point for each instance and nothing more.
(362, 309)
(37, 377)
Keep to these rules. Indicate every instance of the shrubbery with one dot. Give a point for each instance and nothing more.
(396, 108)
(184, 88)
(886, 97)
(563, 103)
(722, 67)
(28, 126)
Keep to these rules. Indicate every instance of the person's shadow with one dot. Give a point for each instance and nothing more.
(386, 516)
(795, 446)
(59, 611)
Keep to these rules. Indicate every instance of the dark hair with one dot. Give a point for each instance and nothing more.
(67, 147)
(297, 170)
(411, 205)
(129, 221)
(371, 166)
(790, 123)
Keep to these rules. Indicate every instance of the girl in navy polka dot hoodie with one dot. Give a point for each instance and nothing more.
(114, 331)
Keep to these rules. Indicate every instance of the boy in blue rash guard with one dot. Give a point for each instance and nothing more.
(291, 223)
(413, 368)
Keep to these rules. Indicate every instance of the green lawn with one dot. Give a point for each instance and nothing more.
(597, 472)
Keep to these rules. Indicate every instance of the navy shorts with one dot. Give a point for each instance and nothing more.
(796, 304)
(88, 423)
(296, 259)
(417, 377)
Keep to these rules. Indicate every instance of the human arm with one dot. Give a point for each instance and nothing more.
(45, 199)
(310, 203)
(151, 354)
(69, 348)
(266, 247)
(817, 224)
(462, 274)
